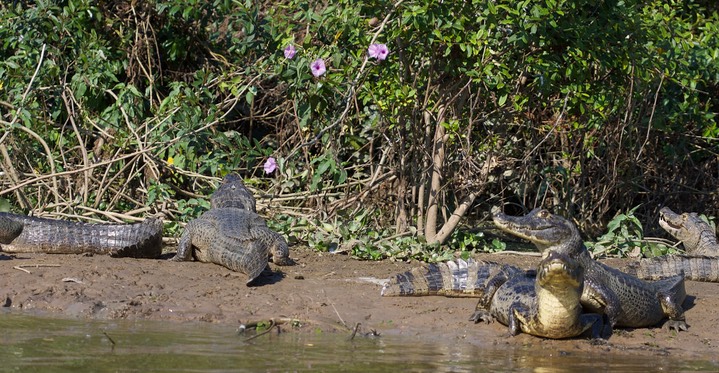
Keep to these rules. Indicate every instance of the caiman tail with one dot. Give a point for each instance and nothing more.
(458, 278)
(139, 240)
(250, 261)
(697, 268)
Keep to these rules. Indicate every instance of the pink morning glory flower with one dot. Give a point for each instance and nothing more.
(270, 165)
(318, 67)
(290, 51)
(378, 51)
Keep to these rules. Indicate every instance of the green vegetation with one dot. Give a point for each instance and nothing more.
(118, 110)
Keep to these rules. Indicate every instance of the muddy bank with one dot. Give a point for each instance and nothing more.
(324, 291)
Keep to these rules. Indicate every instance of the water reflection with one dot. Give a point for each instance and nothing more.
(37, 343)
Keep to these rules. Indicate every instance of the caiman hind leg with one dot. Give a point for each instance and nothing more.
(671, 295)
(195, 241)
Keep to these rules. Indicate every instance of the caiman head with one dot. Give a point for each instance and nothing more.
(544, 229)
(233, 193)
(559, 286)
(560, 271)
(687, 227)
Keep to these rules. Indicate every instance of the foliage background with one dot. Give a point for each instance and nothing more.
(115, 110)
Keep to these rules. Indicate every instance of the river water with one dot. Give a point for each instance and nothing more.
(31, 343)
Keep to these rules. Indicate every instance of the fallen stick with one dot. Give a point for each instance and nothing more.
(22, 266)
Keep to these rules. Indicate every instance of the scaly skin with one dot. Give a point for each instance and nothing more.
(697, 268)
(40, 235)
(546, 305)
(458, 278)
(232, 235)
(624, 299)
(701, 262)
(9, 229)
(232, 193)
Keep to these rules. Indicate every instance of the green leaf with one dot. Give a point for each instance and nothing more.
(250, 95)
(502, 100)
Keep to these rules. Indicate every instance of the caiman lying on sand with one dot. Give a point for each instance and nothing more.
(624, 299)
(701, 262)
(231, 233)
(544, 305)
(28, 234)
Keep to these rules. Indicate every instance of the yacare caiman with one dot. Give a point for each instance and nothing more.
(232, 234)
(544, 303)
(28, 234)
(625, 299)
(701, 259)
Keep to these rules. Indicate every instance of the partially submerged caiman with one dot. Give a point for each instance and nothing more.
(232, 235)
(28, 234)
(701, 261)
(625, 300)
(545, 304)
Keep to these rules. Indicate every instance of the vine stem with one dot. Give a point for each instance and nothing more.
(351, 91)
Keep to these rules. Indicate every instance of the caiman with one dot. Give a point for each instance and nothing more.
(697, 236)
(232, 234)
(544, 304)
(701, 259)
(28, 234)
(624, 299)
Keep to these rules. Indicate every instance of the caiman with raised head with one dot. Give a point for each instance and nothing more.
(544, 304)
(697, 236)
(232, 234)
(626, 300)
(701, 259)
(28, 234)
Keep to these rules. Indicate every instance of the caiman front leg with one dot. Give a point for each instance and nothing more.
(482, 310)
(519, 315)
(592, 321)
(482, 315)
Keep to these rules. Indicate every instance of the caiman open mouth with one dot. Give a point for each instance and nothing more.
(671, 219)
(669, 223)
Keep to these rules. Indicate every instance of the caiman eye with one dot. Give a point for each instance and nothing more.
(544, 214)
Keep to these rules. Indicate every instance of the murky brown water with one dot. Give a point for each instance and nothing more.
(29, 343)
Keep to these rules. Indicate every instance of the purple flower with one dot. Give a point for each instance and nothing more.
(378, 51)
(318, 67)
(270, 165)
(290, 51)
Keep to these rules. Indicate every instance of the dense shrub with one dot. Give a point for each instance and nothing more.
(124, 109)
